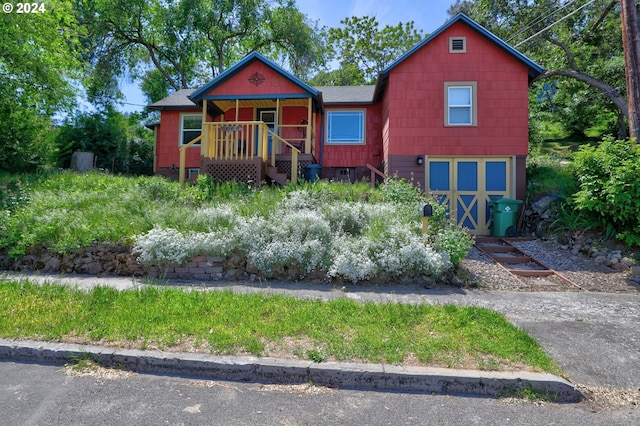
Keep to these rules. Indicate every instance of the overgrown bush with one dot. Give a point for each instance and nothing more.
(454, 241)
(26, 145)
(351, 233)
(548, 174)
(120, 142)
(13, 193)
(69, 210)
(609, 177)
(307, 231)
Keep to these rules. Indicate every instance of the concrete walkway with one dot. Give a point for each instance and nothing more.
(594, 337)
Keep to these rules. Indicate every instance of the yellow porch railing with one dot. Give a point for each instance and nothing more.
(241, 140)
(183, 157)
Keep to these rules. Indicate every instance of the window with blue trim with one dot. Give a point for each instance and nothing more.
(345, 127)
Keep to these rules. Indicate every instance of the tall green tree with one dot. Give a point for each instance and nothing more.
(579, 43)
(184, 43)
(363, 49)
(38, 65)
(120, 142)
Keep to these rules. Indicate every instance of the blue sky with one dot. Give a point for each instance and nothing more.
(427, 15)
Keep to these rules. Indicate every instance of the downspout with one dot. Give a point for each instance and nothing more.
(155, 149)
(321, 133)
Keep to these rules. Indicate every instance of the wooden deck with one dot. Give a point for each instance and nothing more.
(248, 151)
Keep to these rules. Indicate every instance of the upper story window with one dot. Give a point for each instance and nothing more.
(190, 128)
(457, 44)
(346, 126)
(460, 104)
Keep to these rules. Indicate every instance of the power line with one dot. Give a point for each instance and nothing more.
(557, 22)
(129, 103)
(535, 21)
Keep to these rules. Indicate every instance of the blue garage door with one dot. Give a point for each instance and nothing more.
(466, 184)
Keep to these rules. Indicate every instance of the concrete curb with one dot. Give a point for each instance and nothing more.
(291, 371)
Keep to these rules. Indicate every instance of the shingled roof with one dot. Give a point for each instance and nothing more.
(331, 95)
(177, 100)
(335, 95)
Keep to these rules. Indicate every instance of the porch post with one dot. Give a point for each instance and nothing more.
(307, 139)
(277, 131)
(204, 144)
(314, 134)
(183, 160)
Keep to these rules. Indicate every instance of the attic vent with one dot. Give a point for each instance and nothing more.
(457, 44)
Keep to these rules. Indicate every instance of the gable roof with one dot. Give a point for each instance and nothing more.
(200, 94)
(331, 95)
(533, 67)
(336, 95)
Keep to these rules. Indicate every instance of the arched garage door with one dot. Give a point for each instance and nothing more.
(466, 184)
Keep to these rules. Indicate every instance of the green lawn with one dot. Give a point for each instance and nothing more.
(227, 323)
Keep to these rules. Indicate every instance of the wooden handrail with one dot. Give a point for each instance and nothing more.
(183, 157)
(374, 172)
(239, 140)
(294, 157)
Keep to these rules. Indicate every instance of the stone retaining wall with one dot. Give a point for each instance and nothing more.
(117, 259)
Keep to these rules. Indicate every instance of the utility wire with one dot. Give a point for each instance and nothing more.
(557, 22)
(535, 21)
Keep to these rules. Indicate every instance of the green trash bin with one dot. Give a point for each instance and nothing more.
(503, 216)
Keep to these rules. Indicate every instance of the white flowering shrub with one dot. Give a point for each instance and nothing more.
(304, 232)
(351, 260)
(305, 256)
(299, 200)
(171, 247)
(251, 232)
(347, 218)
(217, 243)
(399, 250)
(212, 218)
(299, 239)
(301, 225)
(163, 247)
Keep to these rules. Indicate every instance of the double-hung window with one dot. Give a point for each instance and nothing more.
(190, 128)
(460, 104)
(346, 126)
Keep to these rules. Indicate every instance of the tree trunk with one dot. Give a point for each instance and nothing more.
(631, 45)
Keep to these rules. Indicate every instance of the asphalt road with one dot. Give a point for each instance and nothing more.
(33, 394)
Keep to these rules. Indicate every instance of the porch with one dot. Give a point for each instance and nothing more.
(252, 150)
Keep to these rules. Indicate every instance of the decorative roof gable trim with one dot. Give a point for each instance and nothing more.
(200, 94)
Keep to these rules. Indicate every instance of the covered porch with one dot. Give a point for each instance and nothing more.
(249, 140)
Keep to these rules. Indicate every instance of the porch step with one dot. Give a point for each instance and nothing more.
(275, 174)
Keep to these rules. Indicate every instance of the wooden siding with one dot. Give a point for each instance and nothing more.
(414, 100)
(335, 155)
(274, 82)
(407, 167)
(168, 142)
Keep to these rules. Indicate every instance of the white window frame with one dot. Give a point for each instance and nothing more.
(473, 106)
(182, 129)
(363, 127)
(464, 45)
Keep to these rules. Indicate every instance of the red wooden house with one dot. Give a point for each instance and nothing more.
(452, 114)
